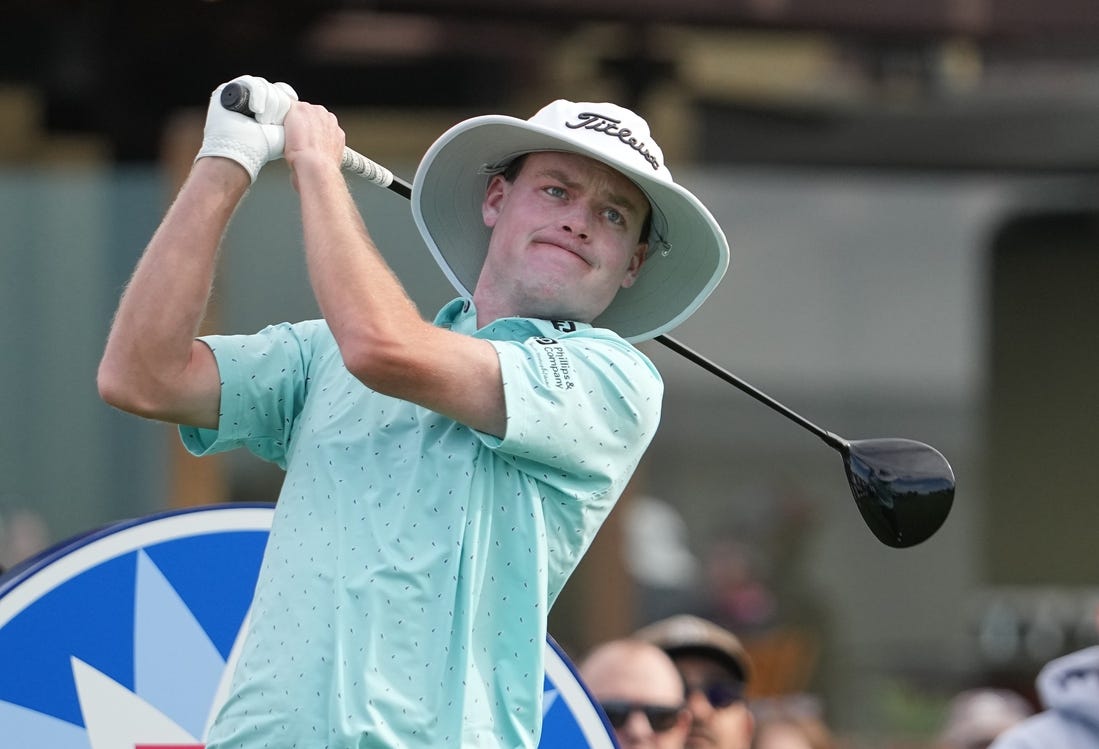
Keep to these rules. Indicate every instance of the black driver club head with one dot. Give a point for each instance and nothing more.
(904, 489)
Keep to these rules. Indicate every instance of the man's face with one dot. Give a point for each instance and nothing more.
(565, 238)
(641, 694)
(713, 726)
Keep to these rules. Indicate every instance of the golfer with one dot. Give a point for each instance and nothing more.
(442, 479)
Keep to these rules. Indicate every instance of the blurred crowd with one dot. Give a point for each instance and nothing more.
(738, 667)
(685, 683)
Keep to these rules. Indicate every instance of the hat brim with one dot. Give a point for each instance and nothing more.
(449, 188)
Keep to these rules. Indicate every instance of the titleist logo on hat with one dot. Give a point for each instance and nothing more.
(601, 123)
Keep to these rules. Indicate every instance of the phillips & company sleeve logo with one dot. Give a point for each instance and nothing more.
(553, 363)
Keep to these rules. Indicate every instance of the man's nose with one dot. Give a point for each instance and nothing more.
(577, 220)
(637, 726)
(699, 706)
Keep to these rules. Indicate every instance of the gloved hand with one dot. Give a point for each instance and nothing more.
(251, 142)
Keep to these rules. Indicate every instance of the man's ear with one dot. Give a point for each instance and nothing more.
(636, 261)
(494, 200)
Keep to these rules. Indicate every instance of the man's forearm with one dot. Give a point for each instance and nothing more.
(359, 295)
(150, 344)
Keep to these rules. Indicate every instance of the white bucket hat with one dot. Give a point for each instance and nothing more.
(688, 252)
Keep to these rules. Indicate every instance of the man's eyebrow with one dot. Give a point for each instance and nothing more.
(560, 176)
(615, 198)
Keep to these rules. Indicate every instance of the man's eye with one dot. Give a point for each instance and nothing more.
(615, 217)
(555, 191)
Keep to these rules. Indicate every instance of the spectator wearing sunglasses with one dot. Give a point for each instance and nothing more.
(715, 670)
(640, 691)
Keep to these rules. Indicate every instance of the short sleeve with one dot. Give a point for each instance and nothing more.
(581, 409)
(264, 380)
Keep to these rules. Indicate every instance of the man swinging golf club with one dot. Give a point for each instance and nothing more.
(442, 479)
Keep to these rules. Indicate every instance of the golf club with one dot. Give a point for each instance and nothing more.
(234, 97)
(904, 489)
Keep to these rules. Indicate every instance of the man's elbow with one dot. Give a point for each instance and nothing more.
(377, 364)
(116, 390)
(109, 384)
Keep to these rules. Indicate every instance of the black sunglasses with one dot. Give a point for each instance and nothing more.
(660, 717)
(719, 694)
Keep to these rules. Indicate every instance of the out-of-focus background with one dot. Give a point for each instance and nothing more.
(910, 190)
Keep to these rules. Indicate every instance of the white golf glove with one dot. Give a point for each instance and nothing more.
(251, 142)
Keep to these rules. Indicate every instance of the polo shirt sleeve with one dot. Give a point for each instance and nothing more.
(264, 380)
(581, 410)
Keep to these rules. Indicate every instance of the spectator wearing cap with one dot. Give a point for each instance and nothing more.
(716, 671)
(640, 691)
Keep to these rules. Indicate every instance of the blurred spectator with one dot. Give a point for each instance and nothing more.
(977, 716)
(640, 691)
(715, 670)
(1069, 690)
(740, 590)
(23, 534)
(666, 573)
(787, 724)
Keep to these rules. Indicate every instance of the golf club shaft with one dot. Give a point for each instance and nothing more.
(234, 97)
(829, 438)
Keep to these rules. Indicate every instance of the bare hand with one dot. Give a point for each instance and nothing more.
(313, 138)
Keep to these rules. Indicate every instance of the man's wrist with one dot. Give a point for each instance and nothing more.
(223, 172)
(313, 164)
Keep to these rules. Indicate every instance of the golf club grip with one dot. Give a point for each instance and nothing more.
(234, 97)
(355, 163)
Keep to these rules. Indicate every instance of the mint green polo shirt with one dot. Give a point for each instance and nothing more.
(412, 561)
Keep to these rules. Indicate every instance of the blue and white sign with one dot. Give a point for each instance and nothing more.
(124, 638)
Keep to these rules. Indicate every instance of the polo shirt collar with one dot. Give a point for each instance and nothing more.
(460, 316)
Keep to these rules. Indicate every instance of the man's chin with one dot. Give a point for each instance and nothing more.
(698, 740)
(549, 308)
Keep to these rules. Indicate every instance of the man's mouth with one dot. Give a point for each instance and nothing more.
(562, 246)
